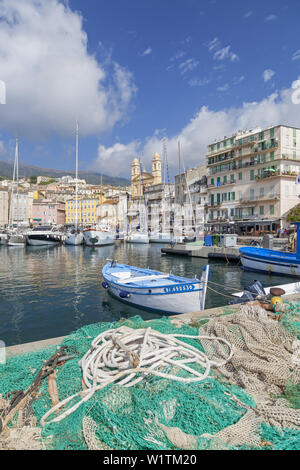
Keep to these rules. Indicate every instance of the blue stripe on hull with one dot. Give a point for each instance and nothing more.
(271, 273)
(149, 309)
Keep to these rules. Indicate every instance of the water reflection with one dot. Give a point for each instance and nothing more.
(50, 291)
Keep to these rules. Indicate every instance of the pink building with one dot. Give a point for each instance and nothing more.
(46, 212)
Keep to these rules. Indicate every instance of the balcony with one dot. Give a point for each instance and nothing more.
(219, 184)
(267, 197)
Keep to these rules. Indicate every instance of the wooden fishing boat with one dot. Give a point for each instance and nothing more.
(154, 290)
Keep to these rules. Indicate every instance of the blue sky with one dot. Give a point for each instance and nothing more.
(133, 72)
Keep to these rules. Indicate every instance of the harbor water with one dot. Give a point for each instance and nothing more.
(49, 292)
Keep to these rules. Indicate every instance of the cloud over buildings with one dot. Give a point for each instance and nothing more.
(51, 78)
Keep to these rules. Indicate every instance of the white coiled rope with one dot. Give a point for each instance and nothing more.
(126, 356)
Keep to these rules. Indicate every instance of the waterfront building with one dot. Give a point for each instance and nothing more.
(4, 201)
(191, 200)
(48, 212)
(113, 211)
(86, 210)
(20, 207)
(159, 201)
(251, 178)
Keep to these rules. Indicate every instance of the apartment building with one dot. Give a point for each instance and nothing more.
(20, 207)
(191, 199)
(46, 212)
(251, 178)
(86, 210)
(4, 198)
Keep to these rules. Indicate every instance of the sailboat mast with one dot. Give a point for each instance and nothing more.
(17, 178)
(76, 176)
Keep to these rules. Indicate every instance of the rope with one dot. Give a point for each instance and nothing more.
(220, 293)
(126, 357)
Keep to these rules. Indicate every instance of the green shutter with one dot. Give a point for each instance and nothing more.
(272, 209)
(251, 175)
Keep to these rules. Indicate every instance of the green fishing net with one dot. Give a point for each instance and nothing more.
(155, 414)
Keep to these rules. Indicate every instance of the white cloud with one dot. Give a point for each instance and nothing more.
(271, 17)
(147, 51)
(237, 80)
(187, 66)
(268, 74)
(116, 160)
(248, 14)
(51, 79)
(225, 53)
(199, 81)
(224, 87)
(202, 129)
(296, 55)
(221, 53)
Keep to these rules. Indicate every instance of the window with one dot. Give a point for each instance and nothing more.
(233, 196)
(240, 163)
(294, 143)
(232, 178)
(240, 176)
(251, 175)
(294, 155)
(261, 210)
(294, 132)
(261, 136)
(225, 179)
(261, 192)
(251, 194)
(271, 132)
(271, 156)
(212, 181)
(272, 209)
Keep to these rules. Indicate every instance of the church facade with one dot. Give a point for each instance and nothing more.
(141, 179)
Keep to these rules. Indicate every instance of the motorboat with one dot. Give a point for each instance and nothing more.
(154, 290)
(43, 235)
(270, 261)
(98, 235)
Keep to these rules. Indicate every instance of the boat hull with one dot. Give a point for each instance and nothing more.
(138, 238)
(98, 238)
(41, 242)
(16, 240)
(270, 262)
(168, 298)
(74, 239)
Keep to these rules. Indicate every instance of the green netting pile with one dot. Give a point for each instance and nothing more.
(157, 413)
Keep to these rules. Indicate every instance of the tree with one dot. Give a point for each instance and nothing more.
(294, 214)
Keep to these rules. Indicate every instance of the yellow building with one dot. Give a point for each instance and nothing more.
(141, 180)
(86, 210)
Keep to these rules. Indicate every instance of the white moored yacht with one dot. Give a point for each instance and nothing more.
(98, 235)
(43, 235)
(138, 237)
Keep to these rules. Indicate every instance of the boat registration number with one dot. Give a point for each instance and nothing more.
(184, 288)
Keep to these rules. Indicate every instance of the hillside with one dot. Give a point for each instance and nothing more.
(6, 171)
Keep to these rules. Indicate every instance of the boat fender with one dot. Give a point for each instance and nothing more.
(124, 294)
(105, 285)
